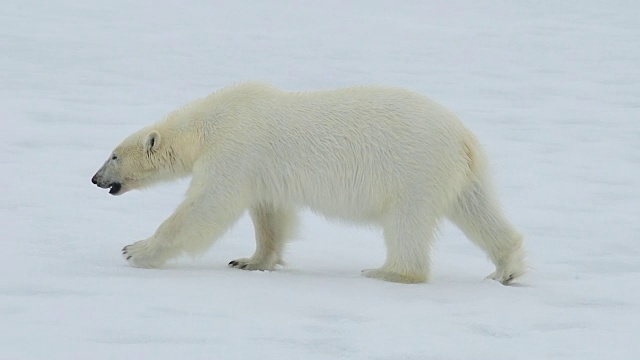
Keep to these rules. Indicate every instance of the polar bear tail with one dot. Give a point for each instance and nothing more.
(478, 214)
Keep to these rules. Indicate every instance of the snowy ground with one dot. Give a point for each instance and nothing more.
(551, 88)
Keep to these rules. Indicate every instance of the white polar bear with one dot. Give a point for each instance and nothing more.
(368, 155)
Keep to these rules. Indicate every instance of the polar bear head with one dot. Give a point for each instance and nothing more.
(140, 160)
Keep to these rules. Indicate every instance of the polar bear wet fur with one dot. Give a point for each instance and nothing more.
(368, 155)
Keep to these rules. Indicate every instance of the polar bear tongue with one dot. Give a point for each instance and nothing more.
(115, 188)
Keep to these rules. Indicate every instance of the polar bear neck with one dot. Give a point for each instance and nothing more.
(192, 126)
(183, 141)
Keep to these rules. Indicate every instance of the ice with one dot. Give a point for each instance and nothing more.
(551, 89)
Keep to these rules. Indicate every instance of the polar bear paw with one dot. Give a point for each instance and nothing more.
(251, 264)
(510, 269)
(143, 255)
(504, 277)
(382, 274)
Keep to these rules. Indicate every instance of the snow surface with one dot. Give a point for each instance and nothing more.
(551, 88)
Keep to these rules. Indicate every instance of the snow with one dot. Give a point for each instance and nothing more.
(551, 88)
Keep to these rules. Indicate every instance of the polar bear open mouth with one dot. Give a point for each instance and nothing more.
(114, 188)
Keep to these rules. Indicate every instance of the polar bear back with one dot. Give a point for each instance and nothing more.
(349, 153)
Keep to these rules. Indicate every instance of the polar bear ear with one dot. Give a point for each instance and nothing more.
(152, 142)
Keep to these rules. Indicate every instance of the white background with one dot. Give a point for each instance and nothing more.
(551, 88)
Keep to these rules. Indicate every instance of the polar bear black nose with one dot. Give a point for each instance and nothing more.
(94, 180)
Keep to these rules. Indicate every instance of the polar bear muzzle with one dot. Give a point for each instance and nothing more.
(105, 179)
(114, 187)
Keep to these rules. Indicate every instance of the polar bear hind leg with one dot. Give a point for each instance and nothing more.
(273, 228)
(408, 236)
(478, 214)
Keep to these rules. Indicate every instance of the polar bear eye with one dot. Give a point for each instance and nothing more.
(114, 157)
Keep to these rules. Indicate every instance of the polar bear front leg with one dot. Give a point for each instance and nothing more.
(273, 227)
(193, 227)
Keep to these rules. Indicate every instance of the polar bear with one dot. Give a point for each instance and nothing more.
(367, 155)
